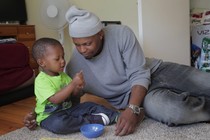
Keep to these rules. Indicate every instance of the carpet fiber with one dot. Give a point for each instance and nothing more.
(148, 130)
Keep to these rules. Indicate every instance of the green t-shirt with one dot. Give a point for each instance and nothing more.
(45, 87)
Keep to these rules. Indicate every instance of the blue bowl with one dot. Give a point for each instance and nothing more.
(92, 130)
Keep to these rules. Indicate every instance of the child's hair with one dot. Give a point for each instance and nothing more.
(40, 45)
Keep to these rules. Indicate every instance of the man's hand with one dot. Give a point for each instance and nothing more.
(127, 122)
(30, 121)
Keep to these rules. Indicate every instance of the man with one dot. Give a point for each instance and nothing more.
(115, 69)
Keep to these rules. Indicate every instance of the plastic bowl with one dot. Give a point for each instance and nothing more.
(92, 130)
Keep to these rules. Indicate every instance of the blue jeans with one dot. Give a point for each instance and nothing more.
(178, 95)
(70, 120)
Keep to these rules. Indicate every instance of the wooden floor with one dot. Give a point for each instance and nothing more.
(11, 116)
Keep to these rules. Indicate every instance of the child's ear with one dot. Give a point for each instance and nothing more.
(41, 62)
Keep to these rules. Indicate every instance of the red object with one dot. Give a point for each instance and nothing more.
(14, 66)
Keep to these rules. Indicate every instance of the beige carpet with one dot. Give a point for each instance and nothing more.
(148, 130)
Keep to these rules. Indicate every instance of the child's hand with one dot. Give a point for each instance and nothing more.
(78, 81)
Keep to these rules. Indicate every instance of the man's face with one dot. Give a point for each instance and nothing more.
(89, 46)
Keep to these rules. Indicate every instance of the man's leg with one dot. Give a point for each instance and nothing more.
(178, 95)
(181, 78)
(174, 109)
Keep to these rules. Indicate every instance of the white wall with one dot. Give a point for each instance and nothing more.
(200, 4)
(165, 29)
(127, 12)
(120, 10)
(34, 18)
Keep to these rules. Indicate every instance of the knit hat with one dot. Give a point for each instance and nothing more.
(82, 23)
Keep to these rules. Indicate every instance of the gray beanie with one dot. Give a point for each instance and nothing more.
(82, 23)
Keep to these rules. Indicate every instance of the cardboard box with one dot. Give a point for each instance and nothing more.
(200, 47)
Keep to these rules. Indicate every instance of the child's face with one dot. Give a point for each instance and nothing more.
(53, 61)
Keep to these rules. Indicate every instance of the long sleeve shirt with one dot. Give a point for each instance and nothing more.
(120, 65)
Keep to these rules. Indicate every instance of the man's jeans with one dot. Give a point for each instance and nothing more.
(178, 95)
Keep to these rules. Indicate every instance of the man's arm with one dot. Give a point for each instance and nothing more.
(137, 95)
(139, 77)
(128, 121)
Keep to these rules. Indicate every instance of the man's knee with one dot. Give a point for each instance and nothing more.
(159, 110)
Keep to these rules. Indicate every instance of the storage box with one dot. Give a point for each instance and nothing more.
(200, 48)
